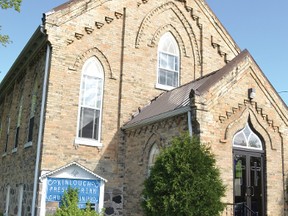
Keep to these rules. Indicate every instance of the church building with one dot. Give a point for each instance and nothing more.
(103, 86)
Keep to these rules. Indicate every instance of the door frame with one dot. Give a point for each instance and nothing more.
(253, 153)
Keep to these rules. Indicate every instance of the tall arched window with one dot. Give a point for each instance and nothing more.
(90, 104)
(168, 62)
(154, 152)
(33, 107)
(246, 138)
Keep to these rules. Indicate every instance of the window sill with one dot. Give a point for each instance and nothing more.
(164, 87)
(88, 142)
(14, 150)
(28, 144)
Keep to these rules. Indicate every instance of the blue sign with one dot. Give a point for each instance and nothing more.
(89, 190)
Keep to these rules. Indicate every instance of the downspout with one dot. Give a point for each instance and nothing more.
(121, 69)
(283, 174)
(41, 124)
(190, 123)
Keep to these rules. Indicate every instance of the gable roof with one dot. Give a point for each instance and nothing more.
(74, 163)
(177, 101)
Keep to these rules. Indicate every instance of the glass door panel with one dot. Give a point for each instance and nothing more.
(248, 184)
(240, 182)
(256, 184)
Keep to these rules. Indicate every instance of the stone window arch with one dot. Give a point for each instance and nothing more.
(90, 103)
(168, 66)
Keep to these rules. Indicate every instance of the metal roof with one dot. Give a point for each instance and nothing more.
(167, 103)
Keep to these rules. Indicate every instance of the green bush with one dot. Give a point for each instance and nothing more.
(70, 207)
(184, 181)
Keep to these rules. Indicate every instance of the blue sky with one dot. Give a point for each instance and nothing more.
(259, 26)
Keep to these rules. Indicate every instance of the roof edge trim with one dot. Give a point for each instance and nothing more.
(157, 118)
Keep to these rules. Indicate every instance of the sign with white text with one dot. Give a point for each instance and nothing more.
(89, 190)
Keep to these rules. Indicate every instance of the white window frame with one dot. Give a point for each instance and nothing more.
(7, 201)
(20, 199)
(162, 49)
(247, 139)
(18, 124)
(99, 74)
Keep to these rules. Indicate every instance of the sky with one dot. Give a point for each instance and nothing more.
(257, 25)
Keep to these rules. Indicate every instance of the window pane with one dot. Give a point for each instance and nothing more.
(175, 79)
(99, 93)
(169, 78)
(163, 60)
(176, 64)
(240, 140)
(89, 92)
(30, 132)
(171, 62)
(97, 125)
(87, 123)
(162, 77)
(254, 142)
(17, 137)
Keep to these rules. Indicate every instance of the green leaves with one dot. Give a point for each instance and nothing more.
(4, 39)
(184, 181)
(6, 4)
(16, 4)
(70, 207)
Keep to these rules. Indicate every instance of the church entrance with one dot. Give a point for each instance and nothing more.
(249, 178)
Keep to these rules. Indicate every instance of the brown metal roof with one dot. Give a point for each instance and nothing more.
(179, 97)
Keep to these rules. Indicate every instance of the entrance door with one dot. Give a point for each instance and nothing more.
(248, 184)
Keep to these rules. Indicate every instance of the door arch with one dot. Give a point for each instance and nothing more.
(249, 173)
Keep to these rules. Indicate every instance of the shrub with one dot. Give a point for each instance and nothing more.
(184, 181)
(69, 205)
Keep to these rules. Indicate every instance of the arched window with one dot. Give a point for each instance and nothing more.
(154, 152)
(168, 62)
(246, 138)
(33, 107)
(90, 104)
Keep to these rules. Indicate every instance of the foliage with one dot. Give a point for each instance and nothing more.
(70, 207)
(4, 39)
(184, 181)
(6, 4)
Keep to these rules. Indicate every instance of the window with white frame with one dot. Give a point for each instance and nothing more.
(20, 199)
(90, 104)
(154, 152)
(168, 62)
(7, 200)
(8, 120)
(33, 106)
(246, 138)
(19, 116)
(7, 132)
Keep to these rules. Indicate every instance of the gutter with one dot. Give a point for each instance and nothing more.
(41, 125)
(159, 117)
